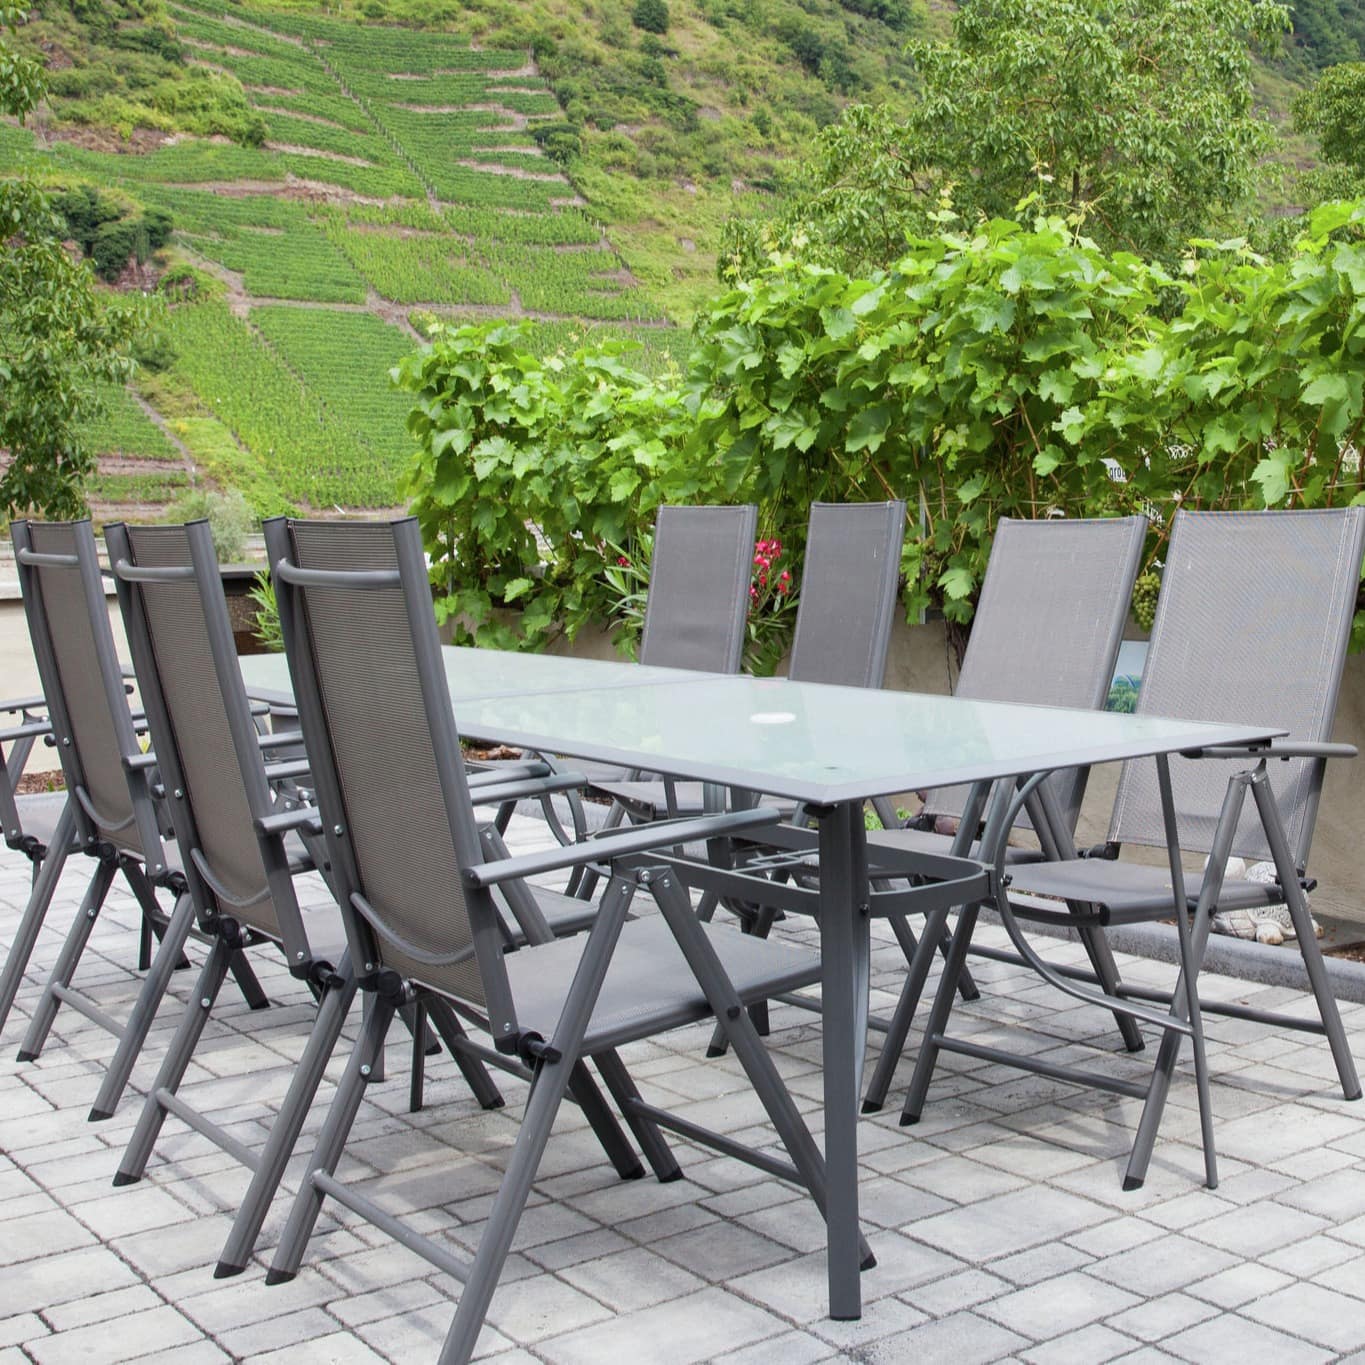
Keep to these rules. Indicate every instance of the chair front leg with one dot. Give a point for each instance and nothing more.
(1308, 941)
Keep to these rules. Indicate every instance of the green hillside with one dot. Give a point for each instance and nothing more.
(335, 180)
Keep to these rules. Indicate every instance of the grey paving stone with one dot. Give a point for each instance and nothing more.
(1171, 1263)
(138, 1334)
(1238, 1285)
(1232, 1340)
(965, 1289)
(963, 1338)
(1011, 1222)
(1053, 1308)
(1094, 1343)
(1256, 1229)
(1155, 1318)
(1339, 1196)
(1309, 1310)
(22, 1327)
(700, 1327)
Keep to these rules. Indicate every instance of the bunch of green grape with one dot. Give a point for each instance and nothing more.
(1145, 592)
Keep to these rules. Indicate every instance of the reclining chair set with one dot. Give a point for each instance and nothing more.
(558, 984)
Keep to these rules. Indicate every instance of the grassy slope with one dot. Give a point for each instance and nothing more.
(373, 203)
(403, 199)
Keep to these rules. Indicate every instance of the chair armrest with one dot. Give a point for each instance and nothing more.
(1284, 749)
(279, 772)
(136, 763)
(490, 792)
(641, 839)
(305, 818)
(511, 772)
(30, 728)
(277, 739)
(24, 704)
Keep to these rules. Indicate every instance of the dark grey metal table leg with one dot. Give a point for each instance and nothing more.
(845, 945)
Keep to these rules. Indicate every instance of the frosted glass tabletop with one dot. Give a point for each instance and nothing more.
(487, 673)
(824, 744)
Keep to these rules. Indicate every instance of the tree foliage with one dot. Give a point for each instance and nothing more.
(997, 370)
(1135, 114)
(57, 335)
(1333, 110)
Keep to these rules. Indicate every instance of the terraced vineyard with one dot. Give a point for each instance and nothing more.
(398, 180)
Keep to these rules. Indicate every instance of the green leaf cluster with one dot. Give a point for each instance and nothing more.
(1007, 370)
(58, 336)
(530, 468)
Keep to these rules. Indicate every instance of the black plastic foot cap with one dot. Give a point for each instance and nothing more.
(122, 1178)
(261, 1005)
(872, 1107)
(99, 1115)
(273, 1276)
(909, 1120)
(671, 1176)
(867, 1262)
(1132, 1182)
(22, 1056)
(496, 1103)
(715, 1052)
(636, 1172)
(224, 1271)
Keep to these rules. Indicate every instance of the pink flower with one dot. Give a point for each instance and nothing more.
(785, 576)
(753, 594)
(623, 561)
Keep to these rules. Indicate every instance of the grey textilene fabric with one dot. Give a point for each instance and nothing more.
(78, 669)
(699, 588)
(848, 593)
(649, 986)
(202, 739)
(381, 747)
(1252, 626)
(1048, 625)
(1132, 890)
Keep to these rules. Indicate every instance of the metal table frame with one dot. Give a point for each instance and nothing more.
(648, 729)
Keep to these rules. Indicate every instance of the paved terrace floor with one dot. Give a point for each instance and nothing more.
(999, 1224)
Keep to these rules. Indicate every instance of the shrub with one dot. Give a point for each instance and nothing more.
(651, 16)
(1005, 370)
(228, 515)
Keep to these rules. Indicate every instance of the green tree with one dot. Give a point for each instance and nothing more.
(58, 336)
(1135, 115)
(1333, 110)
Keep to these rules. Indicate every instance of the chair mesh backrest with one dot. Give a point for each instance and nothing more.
(1251, 627)
(395, 813)
(848, 593)
(199, 736)
(1048, 625)
(76, 655)
(699, 588)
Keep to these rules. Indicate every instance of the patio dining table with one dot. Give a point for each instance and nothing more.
(829, 748)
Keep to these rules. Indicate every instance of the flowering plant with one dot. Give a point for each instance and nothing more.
(772, 599)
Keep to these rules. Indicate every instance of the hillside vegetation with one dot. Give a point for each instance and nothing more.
(311, 189)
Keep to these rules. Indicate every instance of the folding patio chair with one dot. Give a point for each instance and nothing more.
(696, 615)
(1046, 631)
(1251, 627)
(844, 611)
(414, 887)
(244, 836)
(44, 833)
(109, 780)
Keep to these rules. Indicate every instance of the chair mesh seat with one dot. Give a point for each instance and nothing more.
(1125, 890)
(926, 841)
(649, 986)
